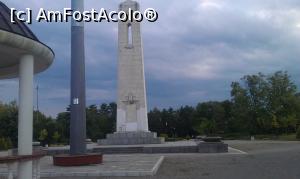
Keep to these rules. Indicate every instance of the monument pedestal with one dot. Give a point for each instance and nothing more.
(131, 138)
(212, 147)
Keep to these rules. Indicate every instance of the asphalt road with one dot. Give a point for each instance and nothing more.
(264, 160)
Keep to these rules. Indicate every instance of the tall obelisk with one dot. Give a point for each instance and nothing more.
(131, 105)
(78, 114)
(132, 120)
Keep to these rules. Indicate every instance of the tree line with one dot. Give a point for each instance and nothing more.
(259, 104)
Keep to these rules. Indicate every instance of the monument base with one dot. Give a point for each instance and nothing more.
(131, 138)
(212, 147)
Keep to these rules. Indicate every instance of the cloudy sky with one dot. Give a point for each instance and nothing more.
(192, 53)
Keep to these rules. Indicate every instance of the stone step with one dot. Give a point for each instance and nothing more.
(131, 138)
(119, 150)
(124, 135)
(201, 147)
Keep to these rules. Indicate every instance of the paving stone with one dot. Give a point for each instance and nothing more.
(113, 165)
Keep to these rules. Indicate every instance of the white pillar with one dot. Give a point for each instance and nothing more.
(25, 123)
(10, 174)
(38, 169)
(34, 168)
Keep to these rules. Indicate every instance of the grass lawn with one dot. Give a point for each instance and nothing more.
(283, 137)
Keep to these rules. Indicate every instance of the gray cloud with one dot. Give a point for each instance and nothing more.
(192, 53)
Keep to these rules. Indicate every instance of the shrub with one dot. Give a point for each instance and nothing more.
(164, 136)
(5, 143)
(207, 127)
(56, 137)
(298, 133)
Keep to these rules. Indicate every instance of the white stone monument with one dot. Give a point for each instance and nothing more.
(132, 120)
(132, 107)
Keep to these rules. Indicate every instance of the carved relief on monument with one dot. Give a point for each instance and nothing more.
(131, 108)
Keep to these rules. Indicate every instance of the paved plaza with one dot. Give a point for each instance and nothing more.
(245, 160)
(262, 160)
(113, 165)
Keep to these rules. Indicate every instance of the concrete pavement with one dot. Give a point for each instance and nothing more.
(264, 160)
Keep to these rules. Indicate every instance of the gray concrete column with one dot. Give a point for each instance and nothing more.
(78, 113)
(25, 123)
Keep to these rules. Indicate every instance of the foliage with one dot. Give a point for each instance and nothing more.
(298, 133)
(265, 104)
(5, 143)
(63, 126)
(164, 136)
(260, 105)
(287, 137)
(44, 128)
(8, 121)
(43, 136)
(282, 137)
(56, 137)
(207, 127)
(101, 121)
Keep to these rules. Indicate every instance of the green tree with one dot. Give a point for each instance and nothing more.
(41, 122)
(212, 117)
(155, 121)
(5, 143)
(275, 125)
(9, 121)
(101, 121)
(63, 126)
(56, 137)
(259, 99)
(184, 123)
(43, 136)
(170, 124)
(298, 133)
(207, 127)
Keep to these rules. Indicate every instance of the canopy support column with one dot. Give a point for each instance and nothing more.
(25, 123)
